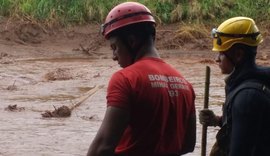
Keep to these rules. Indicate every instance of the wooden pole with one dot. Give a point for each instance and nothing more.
(206, 101)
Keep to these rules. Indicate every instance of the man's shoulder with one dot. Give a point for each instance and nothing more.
(250, 91)
(246, 89)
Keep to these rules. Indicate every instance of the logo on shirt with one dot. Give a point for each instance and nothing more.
(173, 83)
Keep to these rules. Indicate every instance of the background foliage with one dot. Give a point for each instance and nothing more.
(166, 11)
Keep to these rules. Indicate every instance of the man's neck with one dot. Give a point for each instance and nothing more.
(147, 51)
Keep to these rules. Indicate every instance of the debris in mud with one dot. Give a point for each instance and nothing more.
(208, 61)
(6, 60)
(12, 87)
(58, 74)
(93, 45)
(89, 50)
(14, 108)
(97, 75)
(65, 111)
(62, 111)
(91, 118)
(2, 55)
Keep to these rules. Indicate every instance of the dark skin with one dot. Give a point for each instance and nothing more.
(109, 133)
(229, 59)
(122, 55)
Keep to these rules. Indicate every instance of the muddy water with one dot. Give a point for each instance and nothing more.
(24, 83)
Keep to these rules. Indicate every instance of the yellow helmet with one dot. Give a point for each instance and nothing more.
(236, 30)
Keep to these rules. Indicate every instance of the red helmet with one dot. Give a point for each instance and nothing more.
(125, 14)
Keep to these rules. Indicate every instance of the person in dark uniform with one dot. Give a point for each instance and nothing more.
(245, 122)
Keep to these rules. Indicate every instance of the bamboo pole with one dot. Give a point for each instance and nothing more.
(206, 101)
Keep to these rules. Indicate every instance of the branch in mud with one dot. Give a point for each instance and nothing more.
(65, 111)
(62, 111)
(88, 50)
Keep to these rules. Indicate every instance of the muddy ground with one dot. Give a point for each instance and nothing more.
(42, 69)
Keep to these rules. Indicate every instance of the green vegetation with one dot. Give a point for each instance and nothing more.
(166, 11)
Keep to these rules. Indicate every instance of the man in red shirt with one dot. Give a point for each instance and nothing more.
(150, 106)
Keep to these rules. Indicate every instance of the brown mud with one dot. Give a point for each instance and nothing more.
(43, 69)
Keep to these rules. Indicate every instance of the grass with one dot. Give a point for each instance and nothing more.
(65, 12)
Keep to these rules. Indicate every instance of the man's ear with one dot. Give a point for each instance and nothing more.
(239, 55)
(132, 41)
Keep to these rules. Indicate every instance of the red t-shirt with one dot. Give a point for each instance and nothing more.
(160, 102)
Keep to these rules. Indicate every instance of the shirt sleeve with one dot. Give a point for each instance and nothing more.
(118, 92)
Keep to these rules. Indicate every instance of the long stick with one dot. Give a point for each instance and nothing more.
(86, 96)
(206, 101)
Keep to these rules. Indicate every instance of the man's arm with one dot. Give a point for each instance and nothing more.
(110, 132)
(190, 137)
